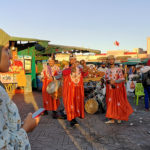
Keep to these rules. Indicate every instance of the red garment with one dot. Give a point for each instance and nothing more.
(148, 63)
(118, 106)
(48, 102)
(66, 72)
(84, 74)
(73, 98)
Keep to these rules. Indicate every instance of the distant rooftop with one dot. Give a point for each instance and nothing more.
(69, 48)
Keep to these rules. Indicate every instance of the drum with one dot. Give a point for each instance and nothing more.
(54, 88)
(95, 95)
(91, 106)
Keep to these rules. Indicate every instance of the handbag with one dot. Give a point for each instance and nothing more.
(146, 78)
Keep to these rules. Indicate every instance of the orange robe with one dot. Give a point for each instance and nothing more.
(48, 102)
(73, 97)
(118, 106)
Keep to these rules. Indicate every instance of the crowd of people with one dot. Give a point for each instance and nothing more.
(118, 107)
(13, 132)
(116, 76)
(139, 73)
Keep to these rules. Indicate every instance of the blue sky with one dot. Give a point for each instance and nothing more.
(92, 24)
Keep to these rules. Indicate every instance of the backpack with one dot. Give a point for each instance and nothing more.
(146, 78)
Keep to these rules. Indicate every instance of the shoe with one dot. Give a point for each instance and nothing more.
(64, 116)
(75, 122)
(147, 109)
(55, 115)
(45, 113)
(72, 123)
(110, 122)
(118, 121)
(61, 117)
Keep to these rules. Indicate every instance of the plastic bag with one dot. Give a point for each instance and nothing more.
(132, 85)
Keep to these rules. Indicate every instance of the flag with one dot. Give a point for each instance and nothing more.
(116, 43)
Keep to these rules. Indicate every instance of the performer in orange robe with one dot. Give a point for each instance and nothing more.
(118, 107)
(49, 103)
(73, 94)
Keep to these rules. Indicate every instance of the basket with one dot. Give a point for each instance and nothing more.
(92, 79)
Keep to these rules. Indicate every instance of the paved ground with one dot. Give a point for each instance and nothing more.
(92, 134)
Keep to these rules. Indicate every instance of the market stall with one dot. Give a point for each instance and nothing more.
(26, 52)
(22, 74)
(14, 78)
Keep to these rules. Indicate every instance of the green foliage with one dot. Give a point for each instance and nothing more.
(40, 67)
(41, 57)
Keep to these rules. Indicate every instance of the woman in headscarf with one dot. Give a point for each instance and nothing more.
(13, 135)
(118, 107)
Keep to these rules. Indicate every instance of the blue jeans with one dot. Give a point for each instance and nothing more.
(147, 96)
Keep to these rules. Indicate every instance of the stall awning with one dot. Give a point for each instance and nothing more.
(43, 43)
(13, 38)
(3, 37)
(130, 63)
(145, 61)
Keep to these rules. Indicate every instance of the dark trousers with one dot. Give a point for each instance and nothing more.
(147, 96)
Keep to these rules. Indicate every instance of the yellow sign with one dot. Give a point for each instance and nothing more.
(21, 78)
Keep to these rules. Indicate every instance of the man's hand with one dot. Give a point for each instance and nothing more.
(112, 81)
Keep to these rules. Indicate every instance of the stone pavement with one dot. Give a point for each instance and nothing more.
(91, 134)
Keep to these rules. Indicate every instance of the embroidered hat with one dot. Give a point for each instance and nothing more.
(50, 58)
(110, 57)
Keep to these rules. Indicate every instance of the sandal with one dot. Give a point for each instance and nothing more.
(110, 122)
(118, 121)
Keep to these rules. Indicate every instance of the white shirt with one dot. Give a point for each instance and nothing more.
(145, 69)
(102, 69)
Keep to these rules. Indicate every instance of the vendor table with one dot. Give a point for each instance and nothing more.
(12, 80)
(9, 81)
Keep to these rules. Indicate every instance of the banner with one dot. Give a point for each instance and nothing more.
(7, 78)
